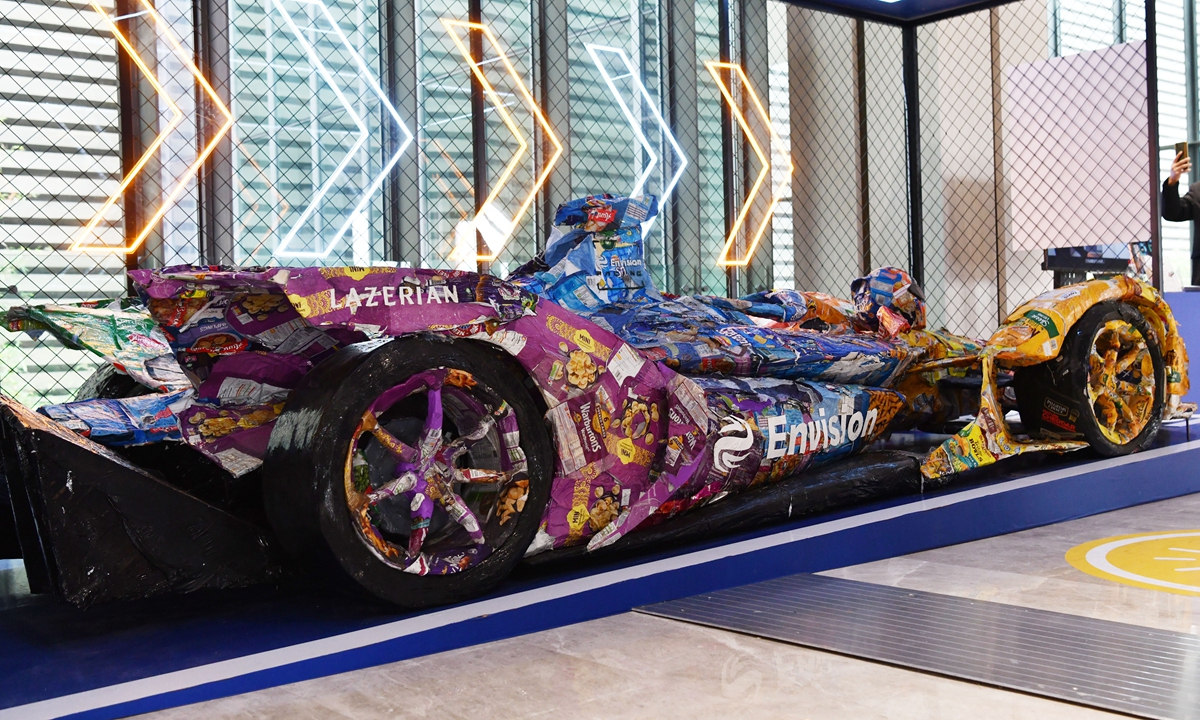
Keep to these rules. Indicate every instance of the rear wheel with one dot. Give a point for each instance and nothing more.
(1106, 387)
(418, 470)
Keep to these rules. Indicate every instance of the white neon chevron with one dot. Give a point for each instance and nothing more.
(595, 51)
(282, 250)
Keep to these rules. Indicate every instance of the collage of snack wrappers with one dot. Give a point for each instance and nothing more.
(655, 404)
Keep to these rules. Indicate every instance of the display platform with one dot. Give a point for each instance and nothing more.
(119, 659)
(1186, 307)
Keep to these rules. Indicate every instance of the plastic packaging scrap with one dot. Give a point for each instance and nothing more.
(1034, 333)
(596, 262)
(127, 421)
(889, 302)
(246, 337)
(117, 330)
(595, 256)
(731, 434)
(704, 335)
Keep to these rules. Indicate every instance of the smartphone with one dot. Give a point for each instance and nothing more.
(1181, 147)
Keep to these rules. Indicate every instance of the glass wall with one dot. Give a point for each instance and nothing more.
(430, 132)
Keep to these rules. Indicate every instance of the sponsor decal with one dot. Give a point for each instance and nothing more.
(1056, 407)
(389, 296)
(820, 433)
(737, 437)
(1059, 415)
(1057, 421)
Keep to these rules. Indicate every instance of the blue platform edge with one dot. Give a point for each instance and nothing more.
(321, 646)
(1186, 307)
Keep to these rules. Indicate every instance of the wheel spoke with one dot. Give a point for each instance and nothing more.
(1128, 359)
(431, 436)
(478, 476)
(456, 447)
(406, 481)
(402, 451)
(420, 514)
(1106, 410)
(457, 509)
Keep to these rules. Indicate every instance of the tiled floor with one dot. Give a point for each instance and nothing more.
(1028, 569)
(633, 666)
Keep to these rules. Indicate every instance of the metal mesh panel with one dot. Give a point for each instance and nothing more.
(1052, 163)
(713, 192)
(323, 96)
(782, 240)
(958, 174)
(617, 142)
(826, 209)
(997, 112)
(444, 147)
(61, 162)
(1173, 126)
(512, 20)
(887, 158)
(306, 156)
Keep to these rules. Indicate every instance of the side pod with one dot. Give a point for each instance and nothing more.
(94, 527)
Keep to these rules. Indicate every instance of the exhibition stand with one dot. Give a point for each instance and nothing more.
(117, 659)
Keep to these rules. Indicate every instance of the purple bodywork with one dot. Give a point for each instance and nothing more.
(636, 442)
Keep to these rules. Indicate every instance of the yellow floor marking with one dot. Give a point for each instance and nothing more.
(1143, 560)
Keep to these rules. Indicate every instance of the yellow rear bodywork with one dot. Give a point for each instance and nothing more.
(1034, 333)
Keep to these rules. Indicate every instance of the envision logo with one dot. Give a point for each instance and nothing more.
(819, 434)
(732, 448)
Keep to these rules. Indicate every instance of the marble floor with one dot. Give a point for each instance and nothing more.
(636, 666)
(1028, 569)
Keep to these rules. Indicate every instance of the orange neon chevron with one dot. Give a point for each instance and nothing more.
(765, 158)
(487, 209)
(82, 244)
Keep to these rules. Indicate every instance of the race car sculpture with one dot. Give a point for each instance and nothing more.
(417, 432)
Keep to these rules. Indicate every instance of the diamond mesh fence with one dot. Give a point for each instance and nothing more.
(1029, 140)
(824, 110)
(64, 85)
(443, 133)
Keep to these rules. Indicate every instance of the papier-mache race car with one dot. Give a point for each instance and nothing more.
(417, 433)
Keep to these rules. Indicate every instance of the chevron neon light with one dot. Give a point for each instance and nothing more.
(81, 243)
(492, 223)
(364, 198)
(765, 159)
(595, 51)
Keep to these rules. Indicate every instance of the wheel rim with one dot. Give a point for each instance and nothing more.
(435, 476)
(1121, 381)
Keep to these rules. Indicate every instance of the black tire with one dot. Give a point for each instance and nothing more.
(306, 469)
(110, 384)
(1053, 399)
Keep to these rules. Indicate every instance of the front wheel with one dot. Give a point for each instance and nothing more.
(1107, 386)
(418, 470)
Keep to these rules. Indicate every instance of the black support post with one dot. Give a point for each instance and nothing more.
(131, 138)
(728, 161)
(478, 126)
(393, 223)
(1152, 140)
(912, 102)
(215, 192)
(860, 111)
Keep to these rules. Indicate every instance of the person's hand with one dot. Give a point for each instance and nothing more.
(1179, 167)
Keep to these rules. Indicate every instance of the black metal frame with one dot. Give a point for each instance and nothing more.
(912, 114)
(131, 144)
